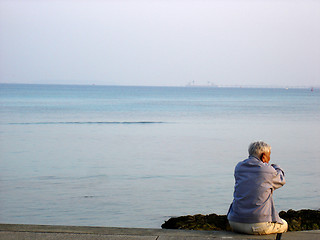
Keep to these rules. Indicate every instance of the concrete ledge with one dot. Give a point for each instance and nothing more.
(44, 232)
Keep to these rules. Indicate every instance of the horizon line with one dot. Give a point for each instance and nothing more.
(186, 86)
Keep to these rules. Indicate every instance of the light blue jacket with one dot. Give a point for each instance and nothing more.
(255, 182)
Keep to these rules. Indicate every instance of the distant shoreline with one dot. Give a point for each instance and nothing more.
(177, 86)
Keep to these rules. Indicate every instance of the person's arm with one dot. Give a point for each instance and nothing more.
(278, 179)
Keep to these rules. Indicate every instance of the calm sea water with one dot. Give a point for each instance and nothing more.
(135, 156)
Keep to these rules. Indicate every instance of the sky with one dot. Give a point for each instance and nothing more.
(161, 42)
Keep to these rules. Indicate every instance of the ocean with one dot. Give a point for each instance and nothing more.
(124, 156)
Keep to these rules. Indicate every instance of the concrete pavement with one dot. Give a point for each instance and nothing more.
(49, 232)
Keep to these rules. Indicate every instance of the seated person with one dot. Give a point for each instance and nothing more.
(252, 210)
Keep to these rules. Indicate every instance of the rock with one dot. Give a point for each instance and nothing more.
(198, 222)
(301, 220)
(297, 221)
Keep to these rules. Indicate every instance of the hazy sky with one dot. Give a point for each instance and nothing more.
(160, 42)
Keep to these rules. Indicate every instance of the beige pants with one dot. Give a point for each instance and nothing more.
(259, 228)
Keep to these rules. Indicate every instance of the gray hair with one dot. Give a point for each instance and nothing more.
(257, 148)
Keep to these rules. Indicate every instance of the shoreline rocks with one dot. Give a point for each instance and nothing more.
(305, 219)
(198, 222)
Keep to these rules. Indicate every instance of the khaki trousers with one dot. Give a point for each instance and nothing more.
(259, 228)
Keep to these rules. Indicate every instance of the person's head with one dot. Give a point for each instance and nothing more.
(260, 150)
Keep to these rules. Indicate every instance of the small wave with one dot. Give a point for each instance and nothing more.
(88, 196)
(79, 123)
(94, 176)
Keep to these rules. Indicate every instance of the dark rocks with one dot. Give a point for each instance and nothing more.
(297, 221)
(301, 220)
(198, 222)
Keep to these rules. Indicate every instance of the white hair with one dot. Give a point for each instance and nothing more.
(257, 148)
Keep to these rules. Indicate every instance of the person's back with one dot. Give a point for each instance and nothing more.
(252, 210)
